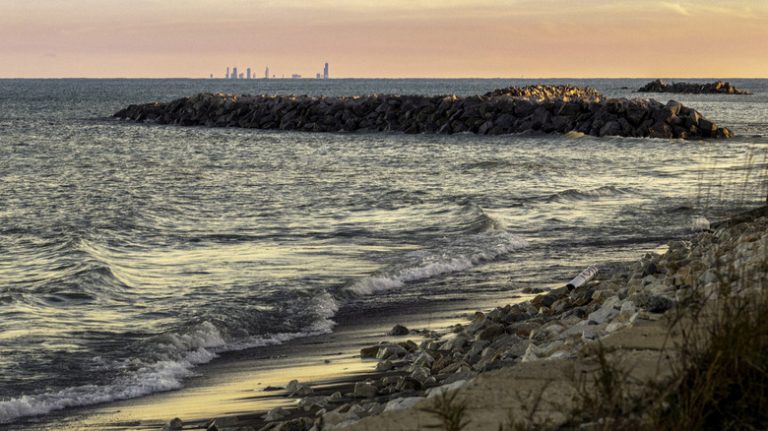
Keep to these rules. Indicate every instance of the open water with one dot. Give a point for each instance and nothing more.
(131, 254)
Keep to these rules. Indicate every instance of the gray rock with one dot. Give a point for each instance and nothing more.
(460, 376)
(611, 128)
(653, 303)
(674, 107)
(399, 330)
(385, 365)
(478, 323)
(604, 314)
(575, 330)
(592, 332)
(455, 343)
(298, 424)
(424, 359)
(174, 424)
(506, 342)
(545, 300)
(338, 419)
(485, 127)
(276, 414)
(402, 403)
(364, 390)
(296, 389)
(408, 345)
(316, 402)
(406, 383)
(420, 374)
(369, 352)
(391, 351)
(212, 425)
(491, 331)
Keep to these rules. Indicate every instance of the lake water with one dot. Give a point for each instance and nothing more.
(131, 254)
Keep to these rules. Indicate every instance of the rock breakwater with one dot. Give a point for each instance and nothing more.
(548, 109)
(718, 87)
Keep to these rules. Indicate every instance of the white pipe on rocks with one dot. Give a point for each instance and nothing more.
(583, 277)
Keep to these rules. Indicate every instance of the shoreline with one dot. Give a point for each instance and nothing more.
(232, 389)
(231, 394)
(631, 305)
(592, 238)
(233, 384)
(230, 384)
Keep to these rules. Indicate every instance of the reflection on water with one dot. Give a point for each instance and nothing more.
(131, 254)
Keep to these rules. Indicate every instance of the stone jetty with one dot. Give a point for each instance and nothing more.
(547, 109)
(719, 87)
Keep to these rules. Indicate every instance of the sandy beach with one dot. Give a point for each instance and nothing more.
(234, 387)
(643, 342)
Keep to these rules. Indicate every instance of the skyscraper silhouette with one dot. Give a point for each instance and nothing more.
(266, 73)
(227, 72)
(325, 71)
(248, 73)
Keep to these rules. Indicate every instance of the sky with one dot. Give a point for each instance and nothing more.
(385, 38)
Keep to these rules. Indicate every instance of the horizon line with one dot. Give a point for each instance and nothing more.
(365, 78)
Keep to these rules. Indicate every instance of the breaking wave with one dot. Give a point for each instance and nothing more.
(586, 194)
(176, 356)
(467, 253)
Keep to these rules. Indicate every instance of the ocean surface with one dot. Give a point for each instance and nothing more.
(132, 254)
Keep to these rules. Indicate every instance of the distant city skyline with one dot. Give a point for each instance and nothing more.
(398, 38)
(231, 73)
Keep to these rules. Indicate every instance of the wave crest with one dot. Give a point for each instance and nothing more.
(176, 356)
(472, 251)
(587, 194)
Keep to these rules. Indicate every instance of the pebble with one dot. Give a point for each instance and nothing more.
(521, 333)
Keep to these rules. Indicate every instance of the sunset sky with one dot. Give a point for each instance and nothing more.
(385, 38)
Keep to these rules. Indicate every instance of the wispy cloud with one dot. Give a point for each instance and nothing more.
(677, 8)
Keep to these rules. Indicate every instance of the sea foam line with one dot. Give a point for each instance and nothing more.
(506, 243)
(199, 346)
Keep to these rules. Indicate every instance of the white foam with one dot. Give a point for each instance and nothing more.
(500, 243)
(199, 345)
(205, 335)
(160, 376)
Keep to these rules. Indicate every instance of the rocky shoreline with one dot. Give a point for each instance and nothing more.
(555, 325)
(541, 108)
(718, 87)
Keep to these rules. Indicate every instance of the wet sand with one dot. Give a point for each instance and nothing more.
(233, 385)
